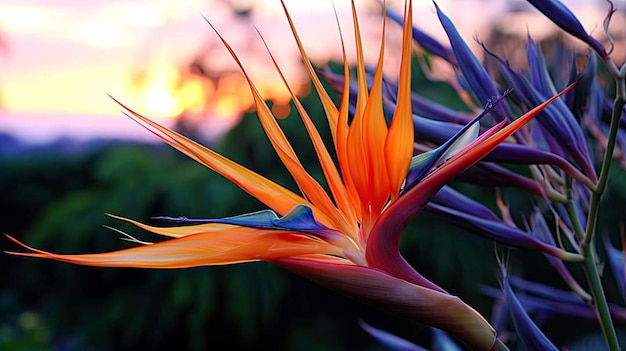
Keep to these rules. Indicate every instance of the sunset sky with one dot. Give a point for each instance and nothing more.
(59, 59)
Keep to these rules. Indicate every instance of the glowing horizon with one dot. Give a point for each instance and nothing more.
(65, 58)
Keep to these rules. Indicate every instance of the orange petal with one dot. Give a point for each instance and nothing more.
(177, 232)
(399, 143)
(229, 246)
(356, 152)
(331, 173)
(357, 162)
(327, 102)
(311, 188)
(357, 159)
(374, 134)
(275, 196)
(341, 144)
(360, 61)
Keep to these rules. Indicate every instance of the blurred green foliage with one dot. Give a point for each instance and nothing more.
(58, 202)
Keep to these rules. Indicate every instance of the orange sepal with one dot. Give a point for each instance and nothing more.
(309, 186)
(374, 135)
(400, 139)
(275, 196)
(180, 231)
(236, 245)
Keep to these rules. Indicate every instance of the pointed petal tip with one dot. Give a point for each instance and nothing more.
(111, 215)
(12, 239)
(34, 253)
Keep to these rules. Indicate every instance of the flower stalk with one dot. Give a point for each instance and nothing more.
(588, 245)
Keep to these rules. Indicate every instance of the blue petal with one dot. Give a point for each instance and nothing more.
(452, 198)
(560, 15)
(260, 219)
(491, 229)
(562, 302)
(491, 174)
(425, 41)
(425, 107)
(526, 329)
(582, 99)
(545, 298)
(539, 75)
(443, 342)
(300, 218)
(417, 173)
(392, 341)
(475, 74)
(542, 82)
(556, 118)
(432, 110)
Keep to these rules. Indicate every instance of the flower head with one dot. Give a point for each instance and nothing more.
(563, 17)
(347, 239)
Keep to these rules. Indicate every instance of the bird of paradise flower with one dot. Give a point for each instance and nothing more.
(347, 240)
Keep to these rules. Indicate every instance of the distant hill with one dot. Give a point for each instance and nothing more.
(13, 147)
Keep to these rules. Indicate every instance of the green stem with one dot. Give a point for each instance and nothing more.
(587, 246)
(573, 215)
(599, 300)
(606, 165)
(578, 231)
